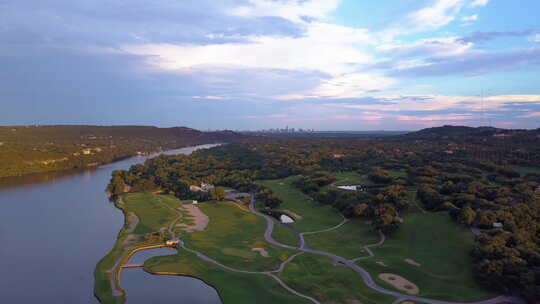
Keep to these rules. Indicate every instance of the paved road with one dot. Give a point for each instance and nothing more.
(366, 277)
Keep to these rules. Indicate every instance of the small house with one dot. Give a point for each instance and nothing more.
(195, 202)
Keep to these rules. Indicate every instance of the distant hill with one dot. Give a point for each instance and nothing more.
(31, 149)
(463, 132)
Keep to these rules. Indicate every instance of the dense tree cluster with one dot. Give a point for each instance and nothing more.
(477, 179)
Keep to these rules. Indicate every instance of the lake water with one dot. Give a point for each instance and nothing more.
(55, 227)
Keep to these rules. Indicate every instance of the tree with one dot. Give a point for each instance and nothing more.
(385, 218)
(217, 194)
(361, 209)
(467, 216)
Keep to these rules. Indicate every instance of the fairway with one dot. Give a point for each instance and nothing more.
(232, 287)
(315, 216)
(346, 241)
(316, 276)
(350, 178)
(152, 210)
(442, 250)
(230, 237)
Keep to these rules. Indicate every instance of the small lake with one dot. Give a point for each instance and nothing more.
(55, 227)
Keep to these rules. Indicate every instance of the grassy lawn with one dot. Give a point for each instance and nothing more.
(284, 236)
(315, 216)
(350, 178)
(151, 210)
(230, 236)
(442, 249)
(315, 276)
(232, 287)
(346, 241)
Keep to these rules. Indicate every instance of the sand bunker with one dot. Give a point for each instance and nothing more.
(261, 251)
(200, 220)
(413, 262)
(399, 283)
(407, 302)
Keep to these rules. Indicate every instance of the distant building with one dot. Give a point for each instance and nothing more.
(339, 155)
(195, 202)
(203, 188)
(498, 225)
(86, 152)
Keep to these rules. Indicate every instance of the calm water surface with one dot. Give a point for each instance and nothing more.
(55, 227)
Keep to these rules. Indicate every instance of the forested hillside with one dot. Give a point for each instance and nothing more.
(31, 149)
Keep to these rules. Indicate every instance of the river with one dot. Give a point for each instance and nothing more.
(55, 227)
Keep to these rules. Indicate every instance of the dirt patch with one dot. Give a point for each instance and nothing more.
(261, 251)
(413, 262)
(381, 263)
(199, 219)
(400, 283)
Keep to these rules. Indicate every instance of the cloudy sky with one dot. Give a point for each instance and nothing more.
(251, 64)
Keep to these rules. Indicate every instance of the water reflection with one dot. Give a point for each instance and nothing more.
(55, 227)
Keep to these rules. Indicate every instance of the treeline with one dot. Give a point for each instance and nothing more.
(176, 173)
(32, 149)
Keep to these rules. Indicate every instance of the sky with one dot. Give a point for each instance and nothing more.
(258, 64)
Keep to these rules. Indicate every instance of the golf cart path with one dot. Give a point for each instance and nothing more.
(366, 277)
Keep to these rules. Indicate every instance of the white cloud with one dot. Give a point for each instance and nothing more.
(327, 48)
(334, 51)
(470, 18)
(437, 15)
(293, 10)
(433, 47)
(352, 85)
(441, 102)
(476, 3)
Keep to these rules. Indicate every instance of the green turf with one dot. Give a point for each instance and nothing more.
(315, 276)
(151, 209)
(315, 216)
(230, 236)
(233, 288)
(442, 249)
(350, 178)
(346, 241)
(284, 236)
